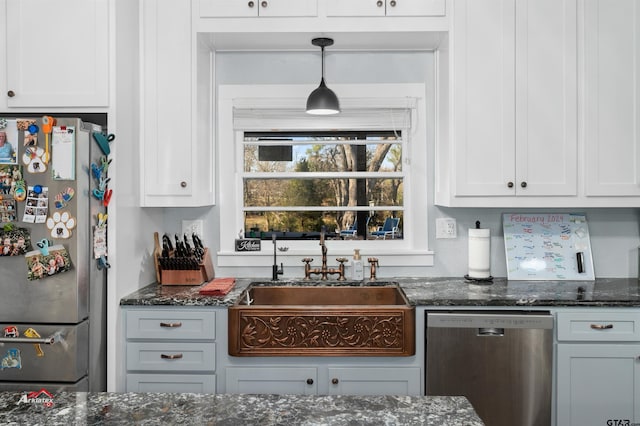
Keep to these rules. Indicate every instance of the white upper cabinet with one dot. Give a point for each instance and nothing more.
(513, 102)
(249, 8)
(176, 147)
(611, 61)
(57, 53)
(385, 7)
(546, 98)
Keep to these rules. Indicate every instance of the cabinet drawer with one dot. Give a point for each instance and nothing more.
(170, 324)
(171, 356)
(608, 327)
(172, 383)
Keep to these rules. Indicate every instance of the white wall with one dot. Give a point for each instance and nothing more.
(615, 233)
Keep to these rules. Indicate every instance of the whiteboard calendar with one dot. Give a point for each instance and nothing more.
(547, 246)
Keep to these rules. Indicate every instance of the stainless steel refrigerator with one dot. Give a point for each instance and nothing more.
(69, 307)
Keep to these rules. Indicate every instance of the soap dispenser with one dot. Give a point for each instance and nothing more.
(357, 267)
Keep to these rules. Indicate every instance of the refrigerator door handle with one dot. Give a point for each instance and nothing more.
(47, 340)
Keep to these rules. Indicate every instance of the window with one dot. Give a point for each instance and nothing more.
(347, 182)
(282, 171)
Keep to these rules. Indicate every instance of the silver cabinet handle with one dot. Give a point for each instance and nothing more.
(601, 326)
(171, 324)
(175, 356)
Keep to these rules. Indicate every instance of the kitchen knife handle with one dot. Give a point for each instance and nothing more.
(601, 326)
(174, 356)
(171, 324)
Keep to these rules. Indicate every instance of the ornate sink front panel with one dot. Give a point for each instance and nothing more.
(322, 321)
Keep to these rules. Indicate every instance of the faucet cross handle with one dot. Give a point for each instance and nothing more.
(373, 264)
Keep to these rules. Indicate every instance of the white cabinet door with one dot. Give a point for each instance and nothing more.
(612, 97)
(415, 7)
(374, 380)
(57, 53)
(274, 380)
(598, 384)
(514, 113)
(249, 8)
(546, 97)
(166, 99)
(386, 7)
(483, 114)
(176, 148)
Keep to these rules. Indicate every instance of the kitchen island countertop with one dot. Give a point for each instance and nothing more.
(201, 409)
(428, 291)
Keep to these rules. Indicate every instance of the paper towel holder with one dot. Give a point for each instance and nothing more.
(476, 280)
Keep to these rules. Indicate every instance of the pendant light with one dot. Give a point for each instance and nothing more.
(322, 101)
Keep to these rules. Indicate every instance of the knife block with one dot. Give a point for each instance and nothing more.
(188, 277)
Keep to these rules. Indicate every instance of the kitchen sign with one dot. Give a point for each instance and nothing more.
(247, 244)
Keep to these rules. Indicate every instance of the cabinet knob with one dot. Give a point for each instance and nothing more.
(264, 4)
(171, 324)
(380, 3)
(183, 184)
(523, 184)
(393, 3)
(309, 381)
(509, 184)
(251, 4)
(335, 381)
(11, 93)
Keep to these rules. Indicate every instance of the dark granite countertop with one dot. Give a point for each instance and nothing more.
(428, 291)
(202, 409)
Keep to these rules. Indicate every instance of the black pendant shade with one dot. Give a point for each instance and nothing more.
(322, 101)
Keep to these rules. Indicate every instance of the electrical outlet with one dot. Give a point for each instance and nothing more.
(446, 227)
(190, 227)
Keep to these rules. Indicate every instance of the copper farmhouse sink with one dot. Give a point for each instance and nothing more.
(321, 320)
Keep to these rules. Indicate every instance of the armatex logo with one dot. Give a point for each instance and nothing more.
(42, 396)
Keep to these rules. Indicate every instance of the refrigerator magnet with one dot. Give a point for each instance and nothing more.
(41, 266)
(32, 158)
(11, 359)
(63, 149)
(61, 225)
(9, 143)
(37, 204)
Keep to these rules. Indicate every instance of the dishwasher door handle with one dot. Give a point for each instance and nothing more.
(490, 331)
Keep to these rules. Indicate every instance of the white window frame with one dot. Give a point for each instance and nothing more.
(411, 250)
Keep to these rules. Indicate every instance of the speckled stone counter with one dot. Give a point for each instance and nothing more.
(425, 291)
(232, 410)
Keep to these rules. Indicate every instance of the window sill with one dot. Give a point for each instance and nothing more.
(264, 258)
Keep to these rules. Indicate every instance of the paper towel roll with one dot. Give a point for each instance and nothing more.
(479, 253)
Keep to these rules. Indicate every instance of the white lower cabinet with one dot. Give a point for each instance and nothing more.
(275, 380)
(374, 381)
(324, 379)
(598, 368)
(170, 350)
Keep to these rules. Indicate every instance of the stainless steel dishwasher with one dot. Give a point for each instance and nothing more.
(500, 360)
